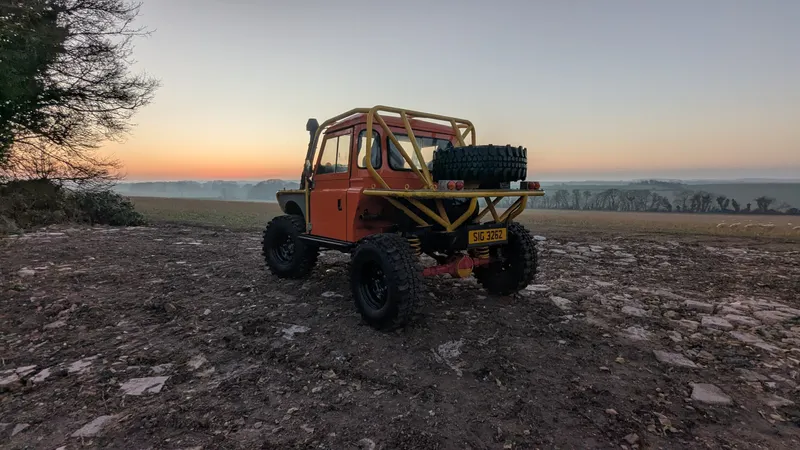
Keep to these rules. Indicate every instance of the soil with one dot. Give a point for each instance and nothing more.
(235, 358)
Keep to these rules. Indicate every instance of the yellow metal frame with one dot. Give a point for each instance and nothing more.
(462, 129)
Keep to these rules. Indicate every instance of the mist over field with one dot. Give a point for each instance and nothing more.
(720, 196)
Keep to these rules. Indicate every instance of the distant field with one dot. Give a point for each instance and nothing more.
(231, 214)
(252, 215)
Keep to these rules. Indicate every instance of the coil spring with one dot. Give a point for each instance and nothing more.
(483, 252)
(415, 244)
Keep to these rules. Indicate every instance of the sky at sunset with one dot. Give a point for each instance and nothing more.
(595, 90)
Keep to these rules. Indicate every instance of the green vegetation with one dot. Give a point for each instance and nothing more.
(26, 204)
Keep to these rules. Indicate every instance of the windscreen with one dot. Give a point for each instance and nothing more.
(427, 146)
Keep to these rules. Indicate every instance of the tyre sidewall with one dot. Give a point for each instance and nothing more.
(273, 236)
(371, 253)
(523, 265)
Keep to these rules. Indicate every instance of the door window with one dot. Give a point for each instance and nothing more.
(335, 155)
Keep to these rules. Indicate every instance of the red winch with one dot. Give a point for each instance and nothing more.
(460, 266)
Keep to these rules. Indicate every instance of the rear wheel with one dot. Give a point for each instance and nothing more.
(515, 263)
(285, 254)
(386, 280)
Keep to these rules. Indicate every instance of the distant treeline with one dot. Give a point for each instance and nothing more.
(645, 200)
(222, 190)
(639, 196)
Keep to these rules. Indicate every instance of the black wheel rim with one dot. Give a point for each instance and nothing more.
(283, 250)
(373, 287)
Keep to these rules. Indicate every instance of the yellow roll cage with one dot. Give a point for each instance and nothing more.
(461, 129)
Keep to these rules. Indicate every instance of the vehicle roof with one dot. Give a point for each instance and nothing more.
(392, 121)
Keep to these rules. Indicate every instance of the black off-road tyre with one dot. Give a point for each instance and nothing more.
(518, 268)
(287, 256)
(481, 163)
(385, 280)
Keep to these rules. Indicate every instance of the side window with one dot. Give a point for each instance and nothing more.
(343, 158)
(361, 157)
(326, 164)
(335, 155)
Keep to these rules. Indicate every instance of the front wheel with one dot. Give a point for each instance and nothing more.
(285, 254)
(386, 280)
(514, 264)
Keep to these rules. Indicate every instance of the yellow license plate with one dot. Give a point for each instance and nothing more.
(487, 236)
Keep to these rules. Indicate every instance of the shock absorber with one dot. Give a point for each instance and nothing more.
(415, 244)
(482, 252)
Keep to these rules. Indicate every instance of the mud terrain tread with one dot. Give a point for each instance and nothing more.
(482, 163)
(406, 272)
(524, 266)
(307, 255)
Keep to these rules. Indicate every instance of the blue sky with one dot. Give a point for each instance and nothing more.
(600, 90)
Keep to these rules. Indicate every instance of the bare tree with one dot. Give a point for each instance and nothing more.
(763, 203)
(576, 199)
(85, 94)
(721, 199)
(587, 196)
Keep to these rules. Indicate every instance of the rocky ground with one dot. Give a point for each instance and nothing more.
(177, 338)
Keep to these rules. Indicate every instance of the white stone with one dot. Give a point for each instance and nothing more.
(710, 394)
(561, 302)
(537, 288)
(139, 386)
(773, 317)
(330, 294)
(698, 306)
(634, 311)
(674, 359)
(776, 402)
(54, 325)
(749, 375)
(288, 333)
(24, 370)
(747, 338)
(93, 428)
(637, 333)
(366, 444)
(742, 320)
(161, 368)
(9, 382)
(539, 238)
(689, 325)
(196, 362)
(716, 322)
(81, 366)
(26, 272)
(19, 428)
(41, 376)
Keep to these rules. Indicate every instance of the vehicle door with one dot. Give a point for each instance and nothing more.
(330, 183)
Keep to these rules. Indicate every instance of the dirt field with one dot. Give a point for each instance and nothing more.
(176, 337)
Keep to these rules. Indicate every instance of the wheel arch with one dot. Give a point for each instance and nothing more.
(293, 203)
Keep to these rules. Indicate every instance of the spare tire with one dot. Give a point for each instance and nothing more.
(481, 163)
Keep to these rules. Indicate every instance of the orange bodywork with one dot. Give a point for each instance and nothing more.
(336, 199)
